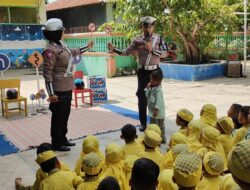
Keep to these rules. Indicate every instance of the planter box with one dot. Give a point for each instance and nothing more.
(193, 72)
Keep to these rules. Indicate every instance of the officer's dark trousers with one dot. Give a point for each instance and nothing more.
(143, 79)
(59, 120)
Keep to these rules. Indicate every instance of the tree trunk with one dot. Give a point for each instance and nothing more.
(192, 53)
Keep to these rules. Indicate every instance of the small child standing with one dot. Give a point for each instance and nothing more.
(156, 105)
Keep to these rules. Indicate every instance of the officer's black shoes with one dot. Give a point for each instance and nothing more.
(142, 128)
(62, 149)
(68, 143)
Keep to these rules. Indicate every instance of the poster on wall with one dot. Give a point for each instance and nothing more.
(18, 42)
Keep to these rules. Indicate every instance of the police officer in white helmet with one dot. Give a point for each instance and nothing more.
(150, 47)
(58, 74)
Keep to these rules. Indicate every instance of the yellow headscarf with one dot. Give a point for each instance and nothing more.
(209, 115)
(178, 138)
(90, 144)
(210, 140)
(213, 163)
(188, 169)
(239, 161)
(114, 156)
(194, 132)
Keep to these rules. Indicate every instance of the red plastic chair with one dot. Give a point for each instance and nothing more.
(79, 75)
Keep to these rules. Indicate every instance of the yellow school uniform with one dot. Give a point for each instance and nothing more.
(183, 131)
(168, 160)
(228, 183)
(116, 170)
(133, 148)
(227, 142)
(59, 179)
(209, 182)
(240, 134)
(166, 180)
(128, 166)
(114, 157)
(154, 155)
(40, 175)
(90, 183)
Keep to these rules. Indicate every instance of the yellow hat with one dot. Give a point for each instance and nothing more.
(155, 128)
(195, 127)
(209, 108)
(129, 162)
(91, 164)
(114, 153)
(213, 163)
(152, 139)
(185, 114)
(178, 138)
(45, 156)
(178, 149)
(90, 144)
(226, 124)
(188, 169)
(239, 161)
(210, 134)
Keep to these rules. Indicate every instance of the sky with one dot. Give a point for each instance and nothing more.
(50, 1)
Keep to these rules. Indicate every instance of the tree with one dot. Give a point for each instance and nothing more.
(193, 24)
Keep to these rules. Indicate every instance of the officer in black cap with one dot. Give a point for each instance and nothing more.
(150, 48)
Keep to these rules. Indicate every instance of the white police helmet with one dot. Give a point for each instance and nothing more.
(53, 24)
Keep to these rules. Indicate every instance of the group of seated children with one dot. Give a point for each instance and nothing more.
(206, 154)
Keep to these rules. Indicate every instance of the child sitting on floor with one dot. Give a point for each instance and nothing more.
(114, 164)
(152, 140)
(213, 165)
(156, 105)
(233, 112)
(132, 147)
(89, 144)
(57, 178)
(92, 167)
(40, 175)
(187, 171)
(225, 126)
(243, 119)
(183, 118)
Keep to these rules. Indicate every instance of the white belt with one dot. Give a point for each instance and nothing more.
(148, 67)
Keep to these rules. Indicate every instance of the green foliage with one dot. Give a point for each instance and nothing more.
(189, 21)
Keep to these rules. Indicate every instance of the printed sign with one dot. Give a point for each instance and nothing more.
(36, 59)
(4, 62)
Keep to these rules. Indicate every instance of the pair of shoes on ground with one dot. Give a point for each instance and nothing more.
(65, 147)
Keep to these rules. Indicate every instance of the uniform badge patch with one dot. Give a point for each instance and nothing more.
(48, 54)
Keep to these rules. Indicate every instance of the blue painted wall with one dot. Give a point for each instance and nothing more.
(13, 32)
(193, 72)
